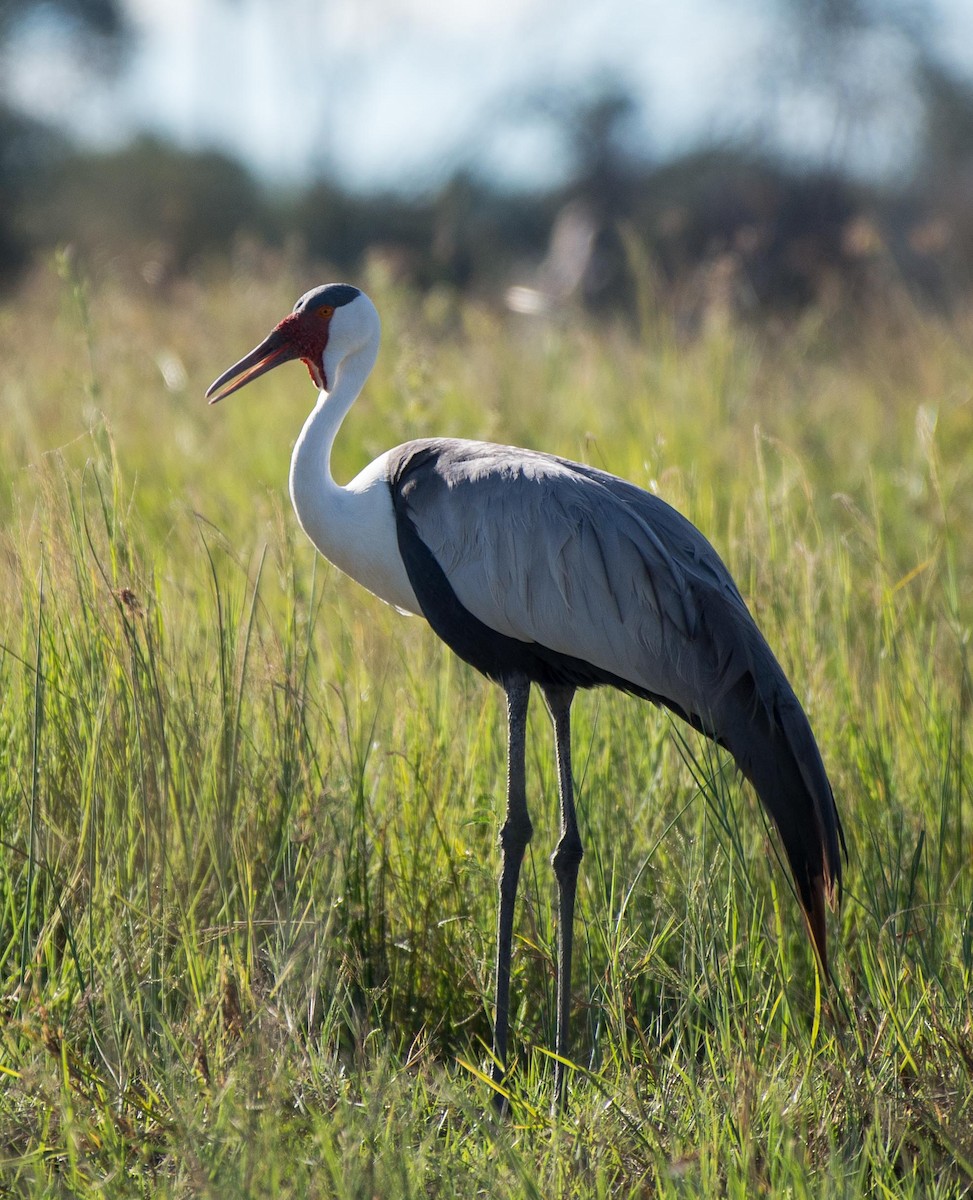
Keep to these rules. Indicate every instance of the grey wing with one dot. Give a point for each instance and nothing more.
(554, 553)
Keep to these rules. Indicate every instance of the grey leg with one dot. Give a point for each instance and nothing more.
(514, 837)
(566, 860)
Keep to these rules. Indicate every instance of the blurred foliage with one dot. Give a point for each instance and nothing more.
(28, 151)
(148, 205)
(723, 228)
(89, 18)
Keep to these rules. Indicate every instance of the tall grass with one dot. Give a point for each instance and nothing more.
(248, 814)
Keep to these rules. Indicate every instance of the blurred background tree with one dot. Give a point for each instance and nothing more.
(29, 149)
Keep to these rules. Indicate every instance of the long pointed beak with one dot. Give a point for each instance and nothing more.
(275, 349)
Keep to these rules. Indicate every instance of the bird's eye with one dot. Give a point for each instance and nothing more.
(326, 311)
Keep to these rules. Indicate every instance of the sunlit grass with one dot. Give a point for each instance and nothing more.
(249, 813)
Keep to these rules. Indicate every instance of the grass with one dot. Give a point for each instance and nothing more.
(248, 814)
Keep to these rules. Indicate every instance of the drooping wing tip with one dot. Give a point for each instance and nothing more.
(825, 894)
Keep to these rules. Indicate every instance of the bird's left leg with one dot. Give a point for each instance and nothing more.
(514, 837)
(566, 861)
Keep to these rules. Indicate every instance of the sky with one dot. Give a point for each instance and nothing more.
(399, 93)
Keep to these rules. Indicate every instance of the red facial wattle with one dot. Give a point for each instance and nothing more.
(300, 335)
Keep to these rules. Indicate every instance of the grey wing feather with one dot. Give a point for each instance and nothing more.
(552, 552)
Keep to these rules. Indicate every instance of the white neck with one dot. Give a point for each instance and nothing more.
(312, 484)
(353, 526)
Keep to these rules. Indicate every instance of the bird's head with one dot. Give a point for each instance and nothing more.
(327, 324)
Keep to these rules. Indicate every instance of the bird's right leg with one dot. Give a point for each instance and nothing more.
(566, 861)
(514, 836)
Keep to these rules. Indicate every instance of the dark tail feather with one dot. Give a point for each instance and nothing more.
(768, 734)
